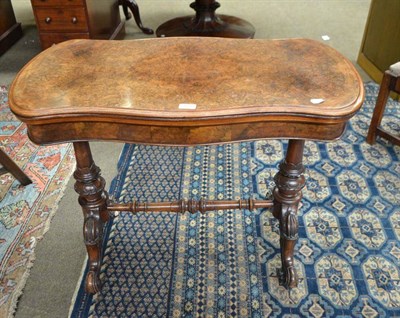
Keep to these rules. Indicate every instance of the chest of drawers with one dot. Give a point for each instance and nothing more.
(61, 20)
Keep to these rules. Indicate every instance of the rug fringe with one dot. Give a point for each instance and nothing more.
(22, 283)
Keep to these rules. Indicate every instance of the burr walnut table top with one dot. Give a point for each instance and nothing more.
(135, 91)
(140, 91)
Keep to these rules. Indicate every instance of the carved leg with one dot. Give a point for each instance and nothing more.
(131, 4)
(93, 199)
(287, 195)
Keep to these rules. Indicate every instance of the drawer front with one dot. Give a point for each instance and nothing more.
(71, 19)
(38, 3)
(49, 39)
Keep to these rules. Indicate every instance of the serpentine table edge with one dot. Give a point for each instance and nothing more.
(187, 91)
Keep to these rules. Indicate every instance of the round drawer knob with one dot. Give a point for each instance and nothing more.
(74, 20)
(47, 20)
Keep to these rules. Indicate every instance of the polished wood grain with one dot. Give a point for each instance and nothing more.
(61, 20)
(67, 19)
(191, 206)
(132, 91)
(287, 195)
(57, 37)
(56, 3)
(232, 82)
(93, 199)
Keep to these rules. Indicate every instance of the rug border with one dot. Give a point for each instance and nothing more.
(22, 283)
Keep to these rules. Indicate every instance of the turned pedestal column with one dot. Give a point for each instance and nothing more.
(207, 23)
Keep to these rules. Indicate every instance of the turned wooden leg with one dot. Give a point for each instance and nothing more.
(93, 199)
(287, 195)
(132, 5)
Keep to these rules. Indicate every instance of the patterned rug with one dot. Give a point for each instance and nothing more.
(224, 264)
(25, 212)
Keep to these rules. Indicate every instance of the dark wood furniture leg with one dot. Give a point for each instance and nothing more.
(10, 166)
(287, 195)
(132, 5)
(389, 83)
(207, 23)
(93, 199)
(10, 30)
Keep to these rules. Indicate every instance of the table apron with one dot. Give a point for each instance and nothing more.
(181, 136)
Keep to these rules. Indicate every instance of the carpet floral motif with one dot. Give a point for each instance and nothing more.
(225, 263)
(25, 212)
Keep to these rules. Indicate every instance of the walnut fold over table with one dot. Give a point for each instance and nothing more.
(186, 91)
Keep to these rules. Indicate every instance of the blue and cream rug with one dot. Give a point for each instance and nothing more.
(224, 264)
(26, 211)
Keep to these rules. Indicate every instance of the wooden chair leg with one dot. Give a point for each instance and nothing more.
(381, 101)
(10, 166)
